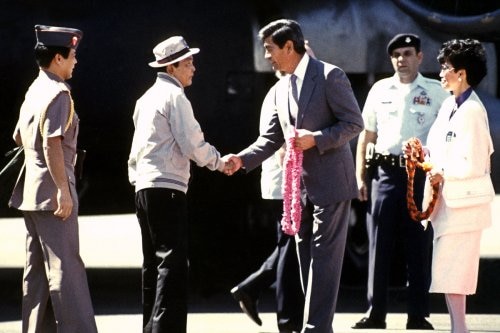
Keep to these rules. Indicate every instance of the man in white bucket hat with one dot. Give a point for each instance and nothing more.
(167, 136)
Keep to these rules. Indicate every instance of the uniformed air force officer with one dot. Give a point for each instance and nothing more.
(56, 296)
(396, 109)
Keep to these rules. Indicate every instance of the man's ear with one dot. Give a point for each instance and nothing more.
(289, 46)
(57, 58)
(420, 56)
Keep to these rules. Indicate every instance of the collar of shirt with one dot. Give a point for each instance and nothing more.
(460, 99)
(300, 72)
(172, 79)
(418, 82)
(54, 77)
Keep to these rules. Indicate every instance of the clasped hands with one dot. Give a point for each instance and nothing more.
(232, 163)
(304, 140)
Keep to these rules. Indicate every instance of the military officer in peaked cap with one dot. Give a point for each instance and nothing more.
(56, 296)
(396, 109)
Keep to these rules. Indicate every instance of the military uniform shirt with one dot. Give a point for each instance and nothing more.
(35, 188)
(397, 111)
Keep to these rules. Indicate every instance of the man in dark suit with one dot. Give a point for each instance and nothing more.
(281, 267)
(317, 100)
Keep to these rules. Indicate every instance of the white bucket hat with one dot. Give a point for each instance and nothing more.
(171, 50)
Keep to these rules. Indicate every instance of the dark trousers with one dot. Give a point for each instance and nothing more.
(281, 266)
(162, 215)
(388, 220)
(322, 239)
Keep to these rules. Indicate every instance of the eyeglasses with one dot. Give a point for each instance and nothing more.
(446, 67)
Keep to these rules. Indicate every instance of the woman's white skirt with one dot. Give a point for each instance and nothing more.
(455, 263)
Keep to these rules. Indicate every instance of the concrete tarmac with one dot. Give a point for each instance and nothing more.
(120, 233)
(115, 282)
(240, 323)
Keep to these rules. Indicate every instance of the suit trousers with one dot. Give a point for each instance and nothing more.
(162, 216)
(56, 295)
(388, 221)
(321, 244)
(281, 266)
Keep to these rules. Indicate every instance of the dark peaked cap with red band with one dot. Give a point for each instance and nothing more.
(57, 36)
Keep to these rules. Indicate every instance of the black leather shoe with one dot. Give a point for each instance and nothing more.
(247, 304)
(418, 324)
(287, 326)
(369, 323)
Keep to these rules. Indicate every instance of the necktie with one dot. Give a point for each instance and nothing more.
(293, 82)
(293, 102)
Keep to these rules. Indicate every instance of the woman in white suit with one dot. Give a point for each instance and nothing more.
(459, 146)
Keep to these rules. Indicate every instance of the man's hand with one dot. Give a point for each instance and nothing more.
(363, 191)
(52, 150)
(304, 139)
(232, 164)
(64, 204)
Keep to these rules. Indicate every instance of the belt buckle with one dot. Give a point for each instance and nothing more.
(402, 161)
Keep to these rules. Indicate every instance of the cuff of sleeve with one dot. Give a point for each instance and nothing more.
(221, 166)
(317, 140)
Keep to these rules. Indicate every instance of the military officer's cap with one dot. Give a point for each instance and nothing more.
(57, 36)
(403, 40)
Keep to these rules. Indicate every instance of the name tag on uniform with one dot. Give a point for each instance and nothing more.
(450, 135)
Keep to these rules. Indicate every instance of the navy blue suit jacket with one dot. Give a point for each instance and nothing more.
(328, 108)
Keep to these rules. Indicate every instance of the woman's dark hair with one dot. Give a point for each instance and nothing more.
(467, 54)
(45, 54)
(282, 31)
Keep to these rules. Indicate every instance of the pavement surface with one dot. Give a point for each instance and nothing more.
(239, 323)
(120, 234)
(115, 286)
(117, 303)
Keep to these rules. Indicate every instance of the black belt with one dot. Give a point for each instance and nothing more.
(388, 160)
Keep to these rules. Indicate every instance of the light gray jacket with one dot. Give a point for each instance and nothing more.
(167, 136)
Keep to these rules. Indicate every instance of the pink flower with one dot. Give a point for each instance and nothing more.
(292, 209)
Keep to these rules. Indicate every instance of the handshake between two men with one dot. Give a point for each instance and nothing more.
(232, 163)
(302, 140)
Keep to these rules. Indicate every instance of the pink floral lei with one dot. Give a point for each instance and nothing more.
(292, 164)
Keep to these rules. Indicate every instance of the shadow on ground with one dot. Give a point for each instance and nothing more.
(117, 291)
